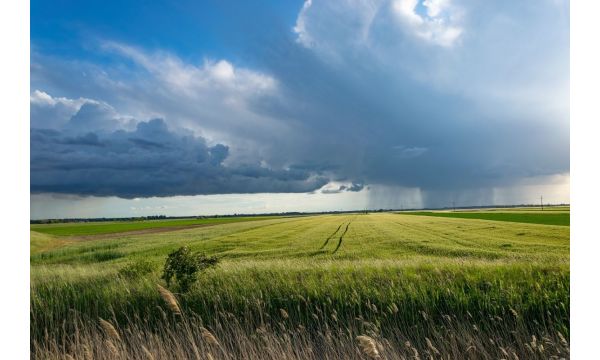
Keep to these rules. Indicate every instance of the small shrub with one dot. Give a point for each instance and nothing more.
(182, 265)
(136, 269)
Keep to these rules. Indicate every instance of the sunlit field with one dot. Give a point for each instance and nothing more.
(550, 216)
(378, 285)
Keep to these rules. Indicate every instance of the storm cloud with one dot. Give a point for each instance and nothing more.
(406, 94)
(150, 160)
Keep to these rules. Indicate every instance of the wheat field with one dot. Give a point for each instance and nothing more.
(378, 285)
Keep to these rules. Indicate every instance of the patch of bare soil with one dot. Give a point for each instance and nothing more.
(137, 232)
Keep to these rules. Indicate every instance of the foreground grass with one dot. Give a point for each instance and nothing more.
(562, 218)
(458, 308)
(307, 287)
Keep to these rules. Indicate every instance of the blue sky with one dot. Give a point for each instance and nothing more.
(191, 29)
(190, 107)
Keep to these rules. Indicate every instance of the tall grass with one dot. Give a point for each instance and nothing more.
(308, 330)
(476, 310)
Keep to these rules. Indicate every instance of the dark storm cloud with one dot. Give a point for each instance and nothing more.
(149, 161)
(354, 187)
(394, 110)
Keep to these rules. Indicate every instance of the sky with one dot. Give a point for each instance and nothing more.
(221, 107)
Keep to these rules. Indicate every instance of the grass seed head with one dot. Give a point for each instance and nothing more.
(563, 340)
(368, 346)
(284, 313)
(111, 347)
(431, 347)
(170, 299)
(110, 330)
(208, 336)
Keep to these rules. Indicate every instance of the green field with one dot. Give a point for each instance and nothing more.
(112, 227)
(468, 288)
(548, 217)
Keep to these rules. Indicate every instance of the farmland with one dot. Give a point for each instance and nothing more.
(548, 217)
(306, 287)
(112, 227)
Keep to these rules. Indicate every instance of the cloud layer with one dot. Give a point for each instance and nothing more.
(89, 155)
(442, 96)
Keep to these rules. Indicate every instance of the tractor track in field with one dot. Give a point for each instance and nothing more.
(341, 238)
(331, 236)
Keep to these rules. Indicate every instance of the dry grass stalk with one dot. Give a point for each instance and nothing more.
(87, 353)
(563, 340)
(208, 337)
(170, 299)
(413, 349)
(368, 346)
(109, 329)
(284, 313)
(431, 347)
(111, 347)
(147, 353)
(195, 349)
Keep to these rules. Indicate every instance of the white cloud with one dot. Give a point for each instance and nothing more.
(326, 26)
(189, 78)
(49, 112)
(304, 37)
(223, 70)
(440, 25)
(82, 114)
(41, 98)
(435, 7)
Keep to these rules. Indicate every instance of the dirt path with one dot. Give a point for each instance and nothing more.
(138, 232)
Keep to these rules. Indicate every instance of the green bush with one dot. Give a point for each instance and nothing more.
(136, 269)
(183, 265)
